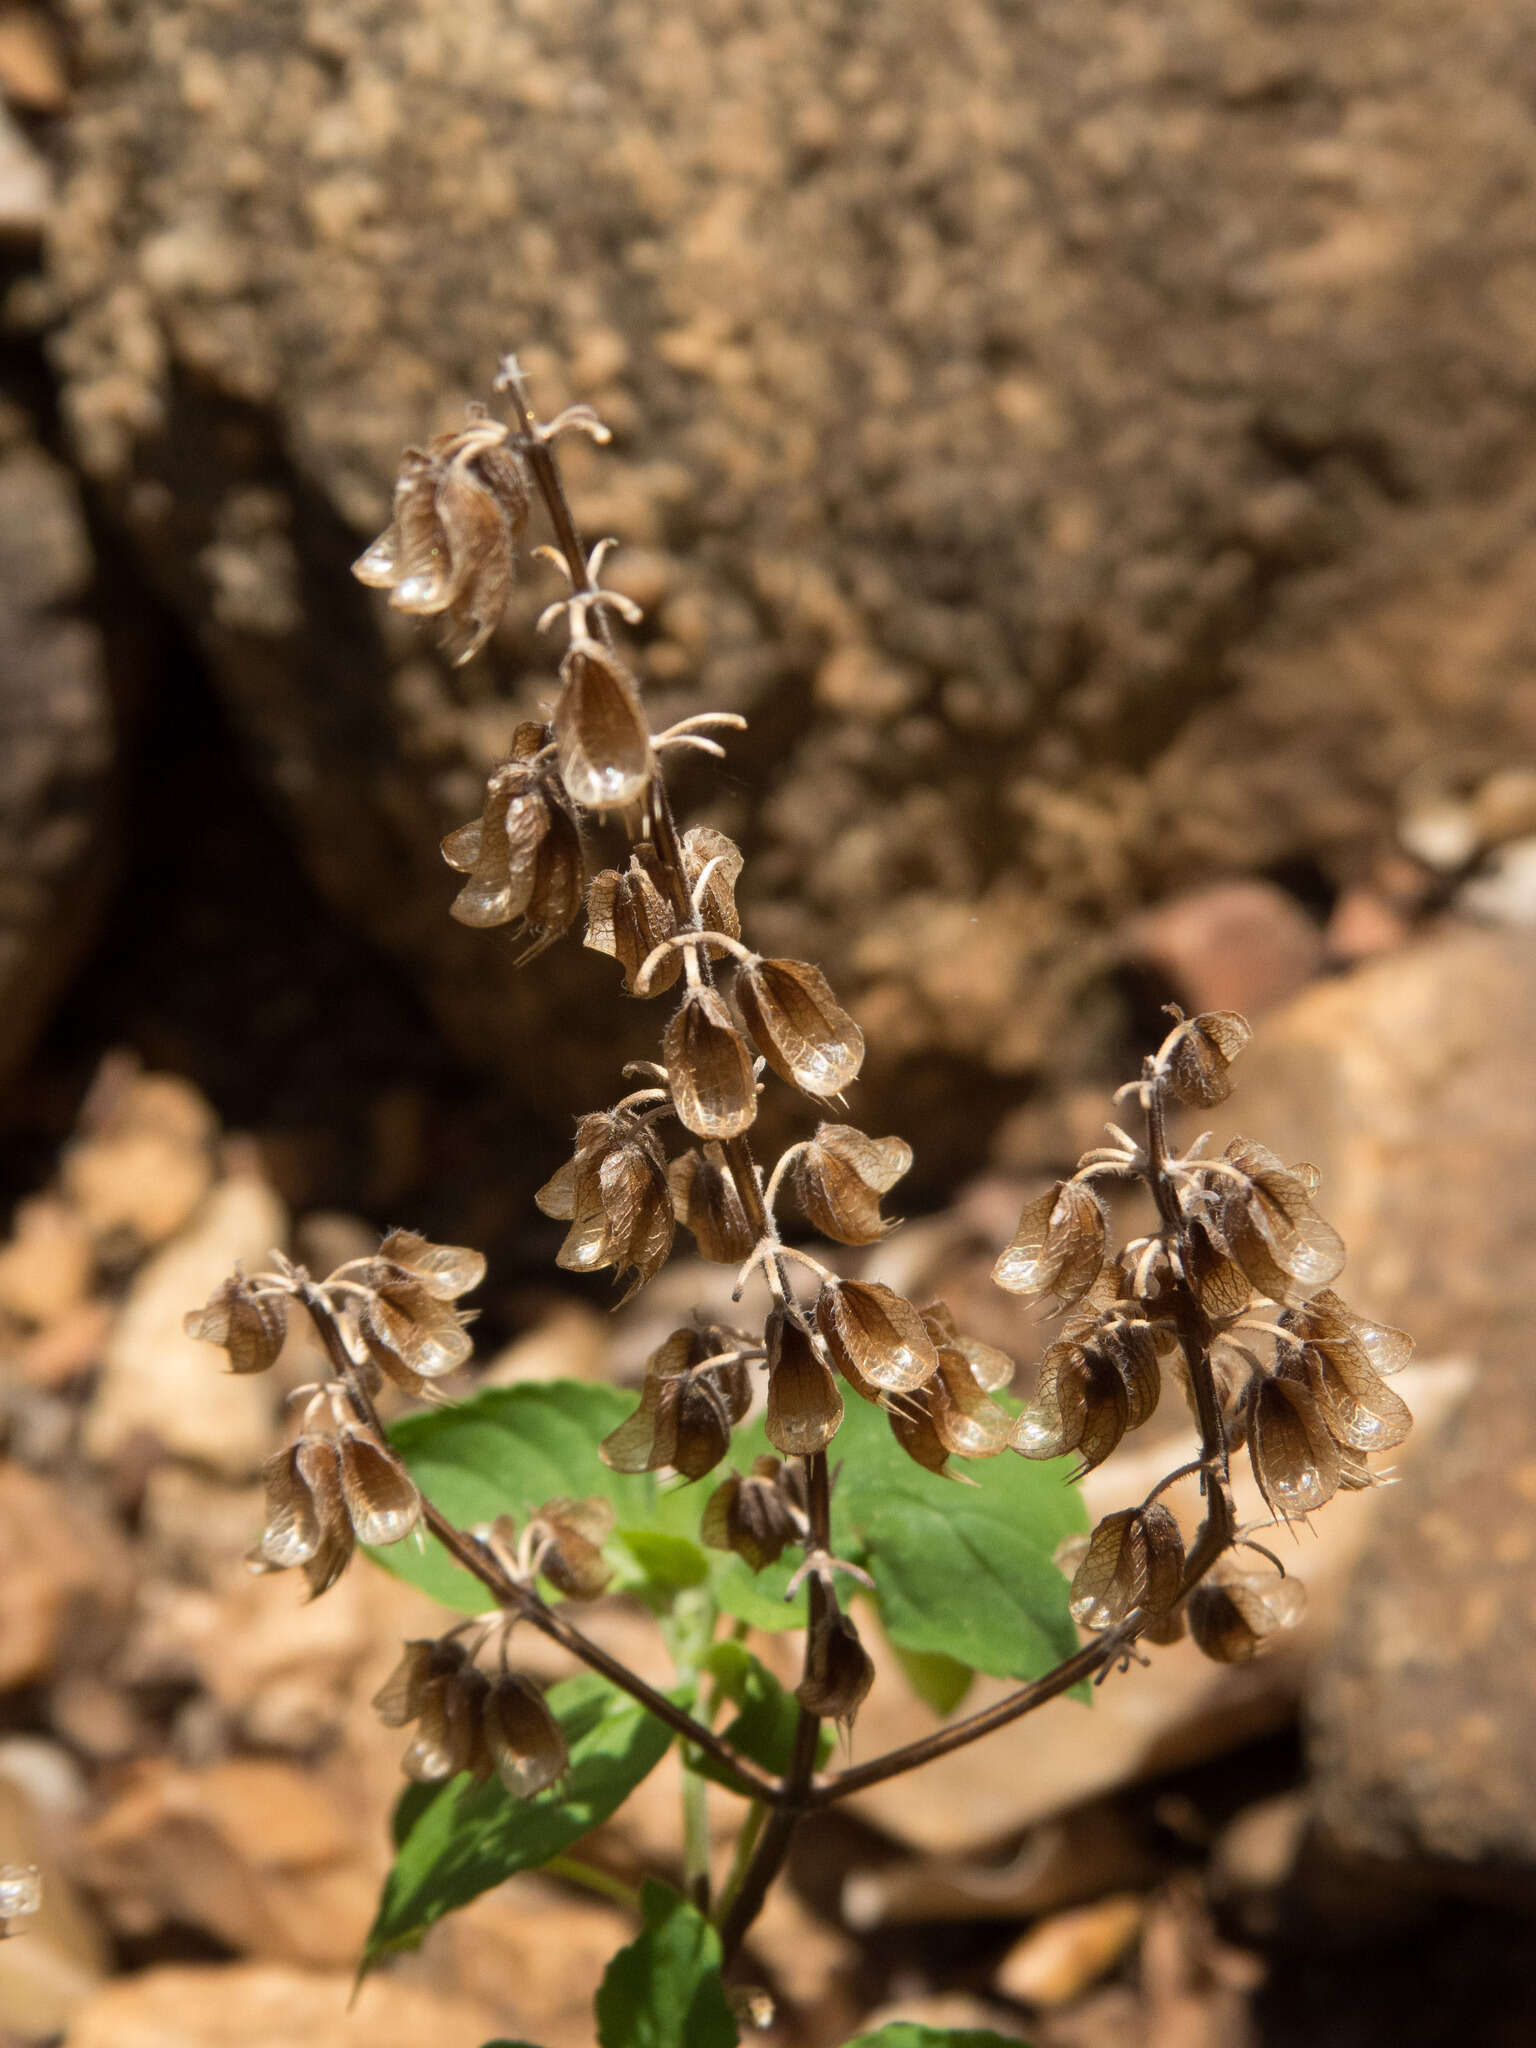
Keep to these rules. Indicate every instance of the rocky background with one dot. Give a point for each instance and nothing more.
(1093, 447)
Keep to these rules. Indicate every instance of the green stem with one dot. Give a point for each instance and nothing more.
(591, 1879)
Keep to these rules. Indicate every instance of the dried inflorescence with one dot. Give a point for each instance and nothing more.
(466, 1721)
(393, 1316)
(1232, 1294)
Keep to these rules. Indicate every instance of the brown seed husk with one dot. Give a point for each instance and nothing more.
(686, 1412)
(408, 1329)
(703, 845)
(317, 1465)
(705, 1199)
(628, 918)
(840, 1177)
(526, 1745)
(381, 1501)
(838, 1670)
(1135, 1559)
(249, 1326)
(1201, 1056)
(1276, 1236)
(709, 1068)
(293, 1530)
(1294, 1457)
(1234, 1615)
(752, 1514)
(874, 1336)
(614, 1194)
(445, 1270)
(572, 1556)
(499, 851)
(799, 1026)
(804, 1406)
(601, 738)
(403, 1694)
(1058, 1247)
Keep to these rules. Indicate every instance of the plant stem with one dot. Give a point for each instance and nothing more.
(695, 1838)
(591, 1879)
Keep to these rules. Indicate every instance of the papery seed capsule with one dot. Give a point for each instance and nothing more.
(1198, 1061)
(705, 1198)
(570, 1536)
(686, 1412)
(961, 1416)
(1276, 1236)
(499, 850)
(615, 1196)
(804, 1406)
(703, 847)
(21, 1895)
(627, 918)
(838, 1671)
(1135, 1559)
(875, 1336)
(527, 1747)
(839, 1179)
(1058, 1247)
(1234, 1615)
(317, 1464)
(1360, 1409)
(709, 1068)
(293, 1532)
(754, 1514)
(249, 1325)
(912, 1425)
(408, 1330)
(381, 1501)
(451, 1730)
(800, 1028)
(445, 1270)
(1295, 1459)
(403, 1694)
(1081, 1404)
(601, 738)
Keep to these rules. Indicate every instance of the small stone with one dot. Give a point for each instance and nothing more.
(1063, 1956)
(145, 1160)
(31, 64)
(26, 183)
(156, 1380)
(1234, 946)
(66, 1582)
(46, 1268)
(256, 2005)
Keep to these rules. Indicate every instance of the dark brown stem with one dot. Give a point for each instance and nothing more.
(748, 1778)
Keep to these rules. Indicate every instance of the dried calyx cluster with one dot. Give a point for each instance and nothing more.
(1230, 1290)
(1232, 1293)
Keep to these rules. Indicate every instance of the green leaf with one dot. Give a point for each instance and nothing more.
(940, 1682)
(510, 1449)
(764, 1729)
(961, 1570)
(455, 1841)
(665, 1559)
(908, 2034)
(664, 1990)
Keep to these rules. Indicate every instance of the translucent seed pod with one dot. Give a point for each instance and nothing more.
(804, 1406)
(709, 1067)
(1059, 1245)
(250, 1327)
(839, 1178)
(601, 738)
(799, 1026)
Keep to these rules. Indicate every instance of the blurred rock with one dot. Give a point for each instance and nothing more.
(31, 63)
(1065, 546)
(144, 1159)
(1420, 1716)
(57, 746)
(47, 1265)
(257, 2005)
(51, 1968)
(26, 183)
(534, 1952)
(1066, 1954)
(255, 1853)
(66, 1583)
(1233, 946)
(1503, 892)
(158, 1382)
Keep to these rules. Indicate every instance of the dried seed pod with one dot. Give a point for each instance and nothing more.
(410, 1332)
(526, 1745)
(1135, 1559)
(875, 1337)
(1294, 1457)
(21, 1895)
(1082, 1404)
(423, 1663)
(912, 1425)
(838, 1671)
(687, 1410)
(800, 1028)
(706, 1199)
(703, 847)
(1361, 1410)
(627, 918)
(1328, 1325)
(961, 1418)
(250, 1325)
(1058, 1247)
(709, 1068)
(570, 1535)
(1127, 1341)
(317, 1469)
(293, 1531)
(445, 1270)
(522, 855)
(450, 551)
(1224, 1289)
(601, 737)
(1197, 1063)
(446, 1697)
(804, 1406)
(380, 1498)
(614, 1194)
(840, 1177)
(1271, 1229)
(1233, 1614)
(756, 1514)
